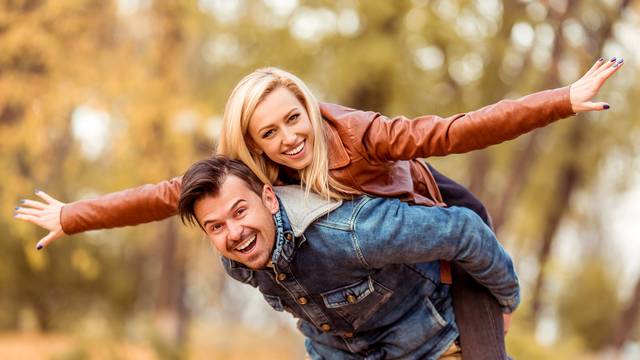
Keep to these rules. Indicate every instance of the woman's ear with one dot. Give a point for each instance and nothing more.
(252, 145)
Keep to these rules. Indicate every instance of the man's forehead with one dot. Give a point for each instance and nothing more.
(233, 191)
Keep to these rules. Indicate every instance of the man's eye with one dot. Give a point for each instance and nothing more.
(215, 227)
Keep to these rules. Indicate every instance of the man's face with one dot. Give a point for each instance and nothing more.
(239, 222)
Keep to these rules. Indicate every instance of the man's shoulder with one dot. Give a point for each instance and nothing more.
(303, 209)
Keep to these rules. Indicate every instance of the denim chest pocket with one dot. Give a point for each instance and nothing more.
(358, 301)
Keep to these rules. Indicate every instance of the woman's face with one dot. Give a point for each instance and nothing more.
(280, 127)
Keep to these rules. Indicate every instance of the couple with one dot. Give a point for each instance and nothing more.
(360, 272)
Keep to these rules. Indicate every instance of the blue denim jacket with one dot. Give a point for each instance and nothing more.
(347, 272)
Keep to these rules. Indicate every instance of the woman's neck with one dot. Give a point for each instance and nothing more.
(289, 176)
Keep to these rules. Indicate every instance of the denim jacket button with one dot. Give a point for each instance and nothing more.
(325, 327)
(288, 236)
(282, 277)
(348, 335)
(351, 299)
(302, 300)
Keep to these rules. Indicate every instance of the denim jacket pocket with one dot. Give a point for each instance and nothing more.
(435, 314)
(275, 302)
(358, 301)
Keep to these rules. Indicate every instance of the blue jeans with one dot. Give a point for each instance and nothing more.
(478, 315)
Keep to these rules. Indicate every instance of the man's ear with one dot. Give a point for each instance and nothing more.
(269, 199)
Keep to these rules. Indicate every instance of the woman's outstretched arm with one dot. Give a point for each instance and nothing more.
(143, 204)
(399, 138)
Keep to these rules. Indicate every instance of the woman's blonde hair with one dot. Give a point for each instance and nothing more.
(244, 99)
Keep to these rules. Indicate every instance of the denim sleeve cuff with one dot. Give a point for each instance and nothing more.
(509, 305)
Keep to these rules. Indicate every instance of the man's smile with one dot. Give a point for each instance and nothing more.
(247, 245)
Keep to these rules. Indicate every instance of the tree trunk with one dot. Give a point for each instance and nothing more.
(567, 183)
(527, 156)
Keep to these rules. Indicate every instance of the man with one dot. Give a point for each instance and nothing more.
(344, 268)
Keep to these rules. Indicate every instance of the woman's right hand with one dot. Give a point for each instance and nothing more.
(44, 214)
(584, 89)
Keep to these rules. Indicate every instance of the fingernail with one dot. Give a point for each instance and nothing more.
(613, 59)
(620, 61)
(37, 191)
(601, 59)
(17, 207)
(606, 106)
(39, 247)
(23, 201)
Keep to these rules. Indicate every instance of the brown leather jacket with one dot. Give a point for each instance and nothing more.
(367, 151)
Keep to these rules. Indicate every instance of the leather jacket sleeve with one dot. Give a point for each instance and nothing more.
(134, 206)
(399, 138)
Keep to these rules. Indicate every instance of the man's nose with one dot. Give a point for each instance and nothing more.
(235, 231)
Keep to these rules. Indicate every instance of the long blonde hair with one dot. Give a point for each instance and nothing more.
(244, 99)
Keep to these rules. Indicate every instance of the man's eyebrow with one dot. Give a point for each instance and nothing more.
(204, 225)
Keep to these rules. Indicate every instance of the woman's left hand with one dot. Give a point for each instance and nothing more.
(583, 90)
(44, 214)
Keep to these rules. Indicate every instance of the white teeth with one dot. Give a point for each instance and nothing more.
(296, 150)
(245, 243)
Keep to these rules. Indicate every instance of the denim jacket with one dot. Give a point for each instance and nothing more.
(346, 271)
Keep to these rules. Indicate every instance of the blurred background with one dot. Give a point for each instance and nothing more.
(98, 96)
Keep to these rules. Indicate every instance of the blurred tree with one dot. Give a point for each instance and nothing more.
(586, 310)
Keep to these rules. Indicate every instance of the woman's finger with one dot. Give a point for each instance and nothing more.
(605, 75)
(595, 66)
(44, 196)
(592, 106)
(28, 218)
(597, 106)
(45, 241)
(32, 204)
(607, 65)
(28, 211)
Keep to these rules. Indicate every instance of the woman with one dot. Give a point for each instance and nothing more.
(275, 126)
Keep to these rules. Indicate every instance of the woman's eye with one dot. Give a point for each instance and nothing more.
(240, 211)
(215, 227)
(267, 134)
(293, 117)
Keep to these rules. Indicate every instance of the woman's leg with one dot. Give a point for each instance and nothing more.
(477, 312)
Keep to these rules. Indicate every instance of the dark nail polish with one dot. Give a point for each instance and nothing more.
(17, 207)
(23, 201)
(613, 59)
(601, 59)
(620, 61)
(605, 106)
(39, 247)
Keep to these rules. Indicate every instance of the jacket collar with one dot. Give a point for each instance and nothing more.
(303, 210)
(338, 156)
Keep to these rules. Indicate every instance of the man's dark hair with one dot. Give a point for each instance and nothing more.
(205, 178)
